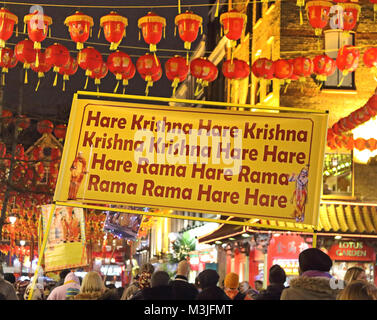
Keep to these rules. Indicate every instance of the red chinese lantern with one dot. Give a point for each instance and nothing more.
(7, 117)
(370, 60)
(119, 63)
(114, 28)
(263, 68)
(79, 27)
(88, 60)
(233, 23)
(41, 69)
(25, 53)
(99, 73)
(188, 24)
(359, 144)
(347, 59)
(371, 144)
(318, 15)
(60, 131)
(351, 12)
(150, 70)
(37, 27)
(204, 71)
(128, 76)
(3, 149)
(7, 22)
(8, 60)
(22, 122)
(236, 69)
(283, 69)
(176, 70)
(152, 27)
(323, 67)
(302, 67)
(68, 70)
(58, 56)
(45, 126)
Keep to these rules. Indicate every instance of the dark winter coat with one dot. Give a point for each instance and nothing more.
(212, 293)
(7, 290)
(182, 290)
(155, 293)
(273, 292)
(309, 288)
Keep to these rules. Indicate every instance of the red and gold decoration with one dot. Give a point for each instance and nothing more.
(128, 76)
(263, 68)
(302, 68)
(176, 70)
(26, 54)
(283, 69)
(45, 126)
(149, 68)
(58, 56)
(347, 60)
(89, 59)
(370, 60)
(318, 14)
(99, 73)
(60, 131)
(22, 122)
(7, 22)
(68, 70)
(323, 67)
(152, 27)
(204, 71)
(351, 13)
(119, 63)
(114, 28)
(41, 69)
(8, 61)
(79, 27)
(188, 24)
(233, 25)
(37, 27)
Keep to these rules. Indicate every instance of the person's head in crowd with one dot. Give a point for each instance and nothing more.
(183, 268)
(231, 281)
(244, 287)
(208, 278)
(145, 280)
(92, 282)
(313, 259)
(355, 273)
(38, 292)
(110, 294)
(358, 290)
(160, 278)
(147, 267)
(258, 285)
(277, 275)
(63, 274)
(110, 286)
(10, 277)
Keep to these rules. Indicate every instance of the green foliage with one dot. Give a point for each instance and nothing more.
(181, 248)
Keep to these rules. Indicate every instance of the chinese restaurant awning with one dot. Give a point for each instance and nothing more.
(347, 218)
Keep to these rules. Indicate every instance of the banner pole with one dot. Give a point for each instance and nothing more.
(314, 239)
(41, 252)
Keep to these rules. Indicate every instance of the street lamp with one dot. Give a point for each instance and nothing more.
(12, 219)
(22, 242)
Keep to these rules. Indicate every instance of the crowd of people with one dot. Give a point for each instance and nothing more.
(313, 283)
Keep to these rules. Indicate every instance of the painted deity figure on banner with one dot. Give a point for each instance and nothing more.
(300, 194)
(78, 171)
(74, 226)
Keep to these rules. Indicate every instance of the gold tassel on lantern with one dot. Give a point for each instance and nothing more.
(179, 6)
(116, 87)
(86, 83)
(155, 58)
(175, 85)
(3, 79)
(99, 32)
(217, 8)
(17, 31)
(36, 59)
(25, 80)
(36, 88)
(55, 80)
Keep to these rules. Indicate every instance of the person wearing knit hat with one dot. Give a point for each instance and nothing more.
(182, 289)
(276, 277)
(315, 281)
(231, 283)
(207, 281)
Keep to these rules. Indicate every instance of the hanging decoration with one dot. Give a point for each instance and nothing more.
(283, 70)
(370, 60)
(263, 68)
(204, 71)
(26, 54)
(60, 131)
(68, 70)
(99, 73)
(41, 69)
(303, 68)
(149, 68)
(114, 28)
(300, 4)
(236, 69)
(79, 27)
(45, 126)
(347, 60)
(37, 27)
(233, 25)
(119, 63)
(8, 61)
(176, 70)
(323, 67)
(6, 117)
(89, 59)
(22, 122)
(152, 27)
(188, 24)
(7, 22)
(58, 56)
(128, 76)
(351, 13)
(318, 14)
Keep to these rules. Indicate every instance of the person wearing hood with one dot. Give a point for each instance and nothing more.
(92, 287)
(314, 282)
(276, 278)
(208, 280)
(231, 284)
(71, 286)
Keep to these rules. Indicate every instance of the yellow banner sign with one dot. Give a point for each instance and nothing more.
(249, 164)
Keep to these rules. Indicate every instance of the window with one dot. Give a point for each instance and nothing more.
(258, 14)
(270, 3)
(335, 39)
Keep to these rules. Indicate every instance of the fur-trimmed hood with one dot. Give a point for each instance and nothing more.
(87, 296)
(310, 288)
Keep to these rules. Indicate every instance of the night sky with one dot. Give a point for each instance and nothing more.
(51, 102)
